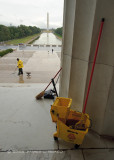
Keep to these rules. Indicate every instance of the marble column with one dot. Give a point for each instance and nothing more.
(100, 102)
(82, 21)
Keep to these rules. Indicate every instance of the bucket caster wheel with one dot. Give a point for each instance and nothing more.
(76, 146)
(55, 138)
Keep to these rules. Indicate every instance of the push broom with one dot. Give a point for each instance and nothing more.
(40, 95)
(79, 125)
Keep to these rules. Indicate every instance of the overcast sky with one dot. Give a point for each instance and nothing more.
(32, 12)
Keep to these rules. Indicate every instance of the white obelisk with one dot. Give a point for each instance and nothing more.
(47, 21)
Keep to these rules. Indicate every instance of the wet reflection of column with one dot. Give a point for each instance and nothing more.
(21, 79)
(47, 38)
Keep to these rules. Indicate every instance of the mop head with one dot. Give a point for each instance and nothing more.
(39, 96)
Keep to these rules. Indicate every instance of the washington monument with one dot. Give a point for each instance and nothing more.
(47, 21)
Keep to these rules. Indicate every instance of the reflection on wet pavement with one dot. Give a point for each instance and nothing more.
(21, 80)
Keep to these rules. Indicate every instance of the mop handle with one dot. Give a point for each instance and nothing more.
(53, 78)
(101, 27)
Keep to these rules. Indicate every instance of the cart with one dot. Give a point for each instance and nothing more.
(72, 126)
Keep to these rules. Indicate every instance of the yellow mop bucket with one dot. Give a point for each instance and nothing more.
(74, 129)
(72, 126)
(60, 107)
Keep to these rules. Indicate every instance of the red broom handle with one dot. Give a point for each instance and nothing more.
(57, 73)
(101, 27)
(53, 78)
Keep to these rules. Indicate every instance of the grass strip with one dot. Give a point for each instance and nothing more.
(58, 35)
(4, 52)
(22, 40)
(34, 40)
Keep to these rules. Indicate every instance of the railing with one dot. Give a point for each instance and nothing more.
(33, 45)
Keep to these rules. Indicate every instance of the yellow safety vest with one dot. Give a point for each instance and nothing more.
(20, 64)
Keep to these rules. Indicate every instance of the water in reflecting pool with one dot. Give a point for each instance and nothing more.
(48, 39)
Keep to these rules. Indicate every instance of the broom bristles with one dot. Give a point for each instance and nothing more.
(40, 95)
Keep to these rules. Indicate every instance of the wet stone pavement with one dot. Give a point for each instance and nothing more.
(26, 128)
(43, 65)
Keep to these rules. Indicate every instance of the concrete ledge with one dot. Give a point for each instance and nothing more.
(47, 45)
(35, 45)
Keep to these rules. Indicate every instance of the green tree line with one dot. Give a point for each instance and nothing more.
(13, 32)
(59, 31)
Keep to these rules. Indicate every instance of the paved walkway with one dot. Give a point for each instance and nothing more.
(26, 129)
(43, 65)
